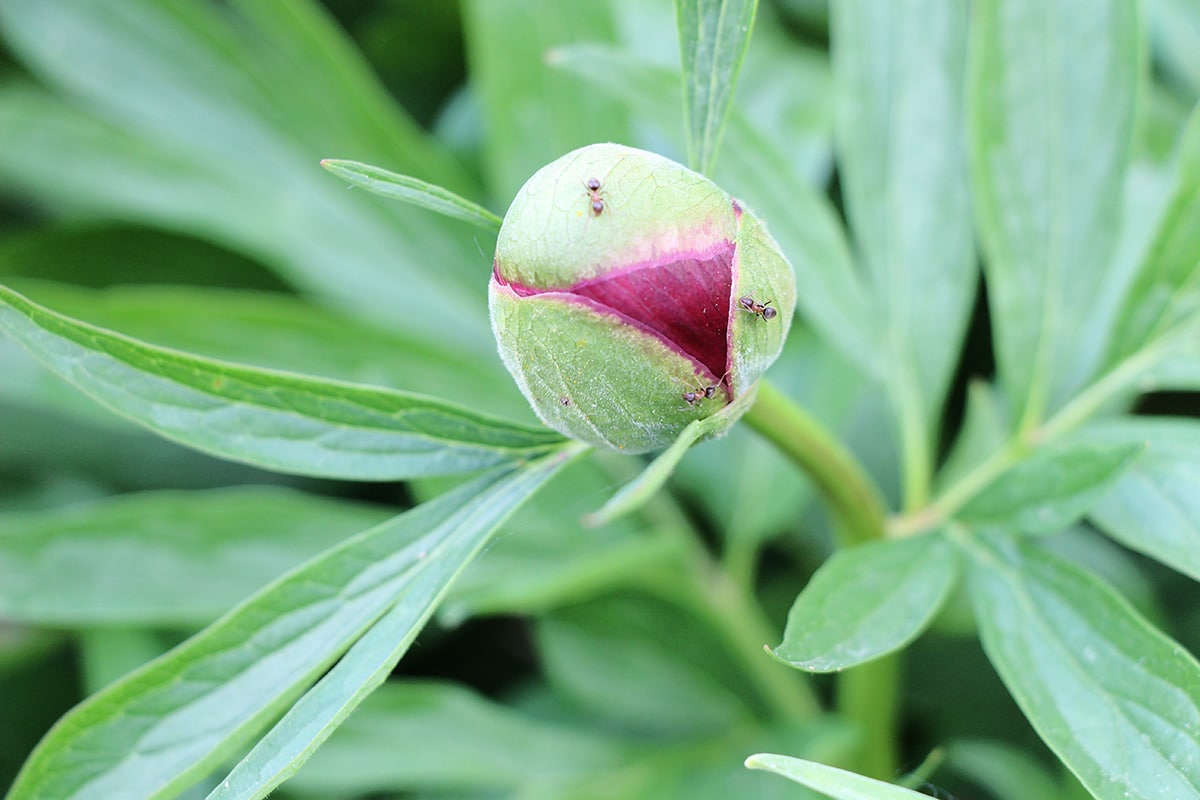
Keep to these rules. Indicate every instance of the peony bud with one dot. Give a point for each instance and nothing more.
(630, 296)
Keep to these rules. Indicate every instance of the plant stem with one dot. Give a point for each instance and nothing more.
(867, 694)
(850, 493)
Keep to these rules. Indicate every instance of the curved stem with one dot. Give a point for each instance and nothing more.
(852, 496)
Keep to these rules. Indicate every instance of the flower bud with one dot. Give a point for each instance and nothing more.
(630, 296)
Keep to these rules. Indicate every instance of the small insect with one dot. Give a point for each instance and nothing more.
(696, 397)
(593, 189)
(762, 310)
(564, 400)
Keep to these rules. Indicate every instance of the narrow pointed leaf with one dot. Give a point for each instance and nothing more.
(831, 781)
(713, 36)
(198, 705)
(1051, 93)
(411, 190)
(1112, 696)
(1166, 292)
(638, 491)
(868, 601)
(162, 558)
(370, 660)
(903, 168)
(1053, 488)
(1154, 507)
(273, 420)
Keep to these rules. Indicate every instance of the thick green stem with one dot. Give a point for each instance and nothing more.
(853, 499)
(869, 695)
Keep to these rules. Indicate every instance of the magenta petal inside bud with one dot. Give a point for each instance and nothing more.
(683, 298)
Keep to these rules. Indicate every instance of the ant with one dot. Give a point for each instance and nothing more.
(593, 188)
(695, 398)
(762, 310)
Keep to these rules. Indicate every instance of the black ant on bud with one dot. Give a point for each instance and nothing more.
(761, 310)
(695, 398)
(593, 188)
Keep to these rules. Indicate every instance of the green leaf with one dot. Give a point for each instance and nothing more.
(192, 709)
(203, 121)
(607, 658)
(534, 114)
(162, 558)
(757, 169)
(830, 781)
(273, 420)
(1166, 293)
(411, 190)
(1154, 508)
(1112, 696)
(1050, 110)
(437, 723)
(713, 37)
(984, 431)
(868, 601)
(903, 168)
(273, 331)
(1055, 486)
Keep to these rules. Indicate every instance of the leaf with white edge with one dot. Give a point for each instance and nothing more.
(273, 420)
(168, 558)
(1154, 508)
(1051, 94)
(868, 601)
(412, 190)
(189, 711)
(1114, 697)
(713, 36)
(638, 491)
(831, 781)
(1051, 489)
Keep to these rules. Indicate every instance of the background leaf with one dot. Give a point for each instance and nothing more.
(1114, 698)
(1166, 293)
(1154, 508)
(1052, 488)
(163, 558)
(903, 168)
(1051, 92)
(439, 723)
(273, 420)
(532, 114)
(867, 601)
(203, 120)
(713, 36)
(188, 711)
